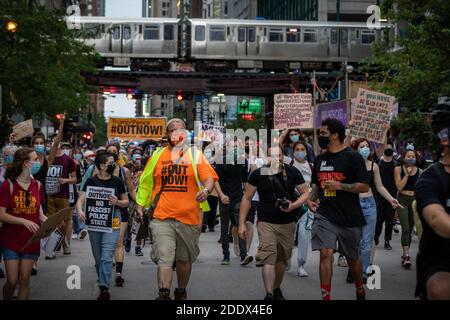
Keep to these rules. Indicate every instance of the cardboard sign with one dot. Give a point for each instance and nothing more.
(23, 129)
(210, 133)
(336, 109)
(99, 212)
(52, 242)
(293, 111)
(136, 128)
(52, 185)
(371, 116)
(49, 226)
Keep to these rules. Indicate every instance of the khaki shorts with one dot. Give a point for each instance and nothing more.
(56, 204)
(174, 241)
(274, 237)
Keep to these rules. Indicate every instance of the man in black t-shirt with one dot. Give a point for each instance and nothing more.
(432, 192)
(385, 211)
(339, 175)
(276, 187)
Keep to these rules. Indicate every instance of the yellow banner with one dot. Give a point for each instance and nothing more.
(136, 128)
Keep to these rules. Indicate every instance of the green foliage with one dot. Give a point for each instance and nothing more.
(419, 72)
(415, 127)
(41, 63)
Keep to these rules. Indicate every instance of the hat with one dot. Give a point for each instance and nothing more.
(101, 148)
(88, 153)
(65, 144)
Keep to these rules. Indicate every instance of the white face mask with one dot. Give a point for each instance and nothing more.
(66, 152)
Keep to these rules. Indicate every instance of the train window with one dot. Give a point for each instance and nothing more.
(116, 32)
(168, 32)
(344, 36)
(217, 34)
(333, 36)
(228, 31)
(293, 35)
(251, 34)
(241, 34)
(310, 35)
(200, 33)
(126, 32)
(140, 28)
(353, 37)
(92, 30)
(367, 36)
(275, 35)
(151, 33)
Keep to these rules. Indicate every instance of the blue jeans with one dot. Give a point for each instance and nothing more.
(103, 248)
(369, 209)
(303, 238)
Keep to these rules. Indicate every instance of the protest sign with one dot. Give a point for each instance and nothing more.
(23, 129)
(136, 128)
(52, 185)
(52, 242)
(371, 116)
(336, 109)
(293, 110)
(99, 212)
(49, 226)
(209, 133)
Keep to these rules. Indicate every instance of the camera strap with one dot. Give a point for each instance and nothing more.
(277, 185)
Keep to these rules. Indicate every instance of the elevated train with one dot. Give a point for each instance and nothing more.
(215, 44)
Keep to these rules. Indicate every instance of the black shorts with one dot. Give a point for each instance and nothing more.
(124, 214)
(426, 268)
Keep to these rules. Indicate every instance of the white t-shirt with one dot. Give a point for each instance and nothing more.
(259, 162)
(304, 168)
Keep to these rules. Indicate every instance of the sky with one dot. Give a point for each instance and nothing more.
(118, 105)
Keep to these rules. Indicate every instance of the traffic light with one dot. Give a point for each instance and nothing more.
(248, 117)
(87, 137)
(59, 116)
(180, 96)
(11, 26)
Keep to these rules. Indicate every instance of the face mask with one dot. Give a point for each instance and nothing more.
(410, 161)
(35, 167)
(365, 152)
(9, 159)
(78, 156)
(294, 138)
(48, 149)
(136, 157)
(324, 142)
(110, 169)
(208, 155)
(410, 146)
(300, 155)
(66, 152)
(388, 152)
(115, 156)
(39, 148)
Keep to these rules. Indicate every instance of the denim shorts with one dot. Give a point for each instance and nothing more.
(9, 254)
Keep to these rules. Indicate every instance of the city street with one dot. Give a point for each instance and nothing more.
(210, 280)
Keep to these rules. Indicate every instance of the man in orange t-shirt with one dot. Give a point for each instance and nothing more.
(177, 218)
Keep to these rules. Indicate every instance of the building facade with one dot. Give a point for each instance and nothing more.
(229, 9)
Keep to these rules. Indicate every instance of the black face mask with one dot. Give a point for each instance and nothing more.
(389, 152)
(110, 169)
(324, 142)
(115, 156)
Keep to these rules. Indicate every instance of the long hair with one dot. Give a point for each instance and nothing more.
(21, 155)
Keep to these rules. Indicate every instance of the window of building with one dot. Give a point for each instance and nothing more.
(200, 33)
(310, 36)
(251, 34)
(367, 36)
(225, 8)
(151, 33)
(293, 35)
(275, 35)
(168, 32)
(164, 13)
(126, 32)
(217, 34)
(241, 34)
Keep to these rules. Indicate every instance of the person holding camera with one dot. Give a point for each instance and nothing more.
(276, 185)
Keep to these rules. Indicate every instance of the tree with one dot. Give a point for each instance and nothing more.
(41, 64)
(414, 127)
(419, 72)
(100, 135)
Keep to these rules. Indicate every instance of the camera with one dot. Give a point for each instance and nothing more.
(282, 203)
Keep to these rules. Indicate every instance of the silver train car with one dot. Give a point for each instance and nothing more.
(215, 44)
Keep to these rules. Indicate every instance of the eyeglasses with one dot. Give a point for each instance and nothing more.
(443, 134)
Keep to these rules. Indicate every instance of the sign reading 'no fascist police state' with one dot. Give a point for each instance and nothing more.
(136, 128)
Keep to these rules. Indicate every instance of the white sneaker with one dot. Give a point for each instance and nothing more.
(301, 272)
(342, 262)
(74, 236)
(83, 234)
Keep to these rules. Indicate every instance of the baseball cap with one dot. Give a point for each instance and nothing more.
(89, 153)
(65, 144)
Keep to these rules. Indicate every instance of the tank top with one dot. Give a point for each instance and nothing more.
(411, 180)
(372, 179)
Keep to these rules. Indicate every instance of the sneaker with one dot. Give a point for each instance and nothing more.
(164, 294)
(301, 272)
(83, 234)
(277, 294)
(127, 245)
(74, 236)
(203, 230)
(342, 262)
(67, 251)
(406, 262)
(139, 252)
(33, 271)
(396, 229)
(50, 257)
(119, 281)
(225, 261)
(269, 297)
(246, 260)
(104, 296)
(2, 273)
(387, 245)
(180, 294)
